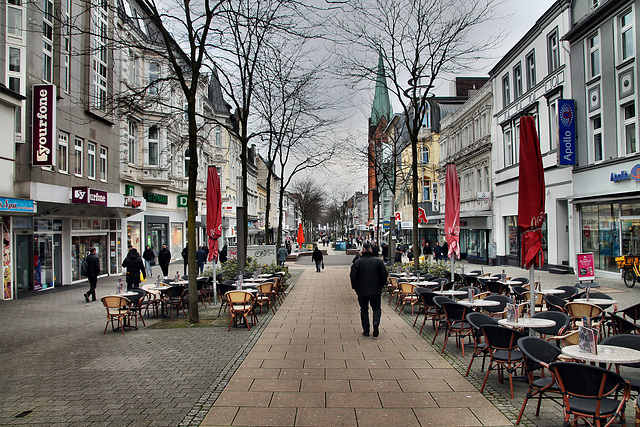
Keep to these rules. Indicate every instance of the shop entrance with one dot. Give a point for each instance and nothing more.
(24, 263)
(630, 237)
(157, 236)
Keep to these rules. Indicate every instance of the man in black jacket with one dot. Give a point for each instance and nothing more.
(93, 269)
(164, 258)
(368, 279)
(134, 265)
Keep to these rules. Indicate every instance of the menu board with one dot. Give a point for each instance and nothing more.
(586, 267)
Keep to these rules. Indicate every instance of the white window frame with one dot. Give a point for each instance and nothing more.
(593, 62)
(65, 48)
(103, 163)
(517, 81)
(507, 140)
(553, 124)
(187, 162)
(91, 160)
(506, 92)
(15, 10)
(530, 63)
(623, 30)
(132, 142)
(553, 50)
(218, 136)
(77, 156)
(487, 178)
(63, 152)
(595, 138)
(47, 41)
(626, 122)
(154, 145)
(99, 59)
(516, 142)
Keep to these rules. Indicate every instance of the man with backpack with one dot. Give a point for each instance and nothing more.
(91, 265)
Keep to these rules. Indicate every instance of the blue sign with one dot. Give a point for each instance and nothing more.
(567, 132)
(17, 205)
(385, 224)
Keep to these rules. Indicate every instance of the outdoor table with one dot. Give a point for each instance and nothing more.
(425, 283)
(527, 322)
(585, 285)
(180, 282)
(606, 354)
(550, 291)
(597, 301)
(124, 294)
(252, 280)
(470, 274)
(478, 303)
(451, 293)
(510, 282)
(157, 288)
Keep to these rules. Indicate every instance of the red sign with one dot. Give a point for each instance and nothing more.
(587, 231)
(43, 124)
(132, 202)
(586, 269)
(398, 216)
(422, 216)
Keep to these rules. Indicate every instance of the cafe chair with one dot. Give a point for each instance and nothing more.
(201, 291)
(562, 323)
(578, 310)
(173, 298)
(631, 341)
(474, 289)
(497, 288)
(222, 289)
(504, 354)
(407, 296)
(481, 295)
(538, 354)
(519, 292)
(568, 292)
(619, 325)
(240, 304)
(265, 296)
(117, 310)
(440, 320)
(554, 303)
(393, 289)
(137, 304)
(430, 309)
(538, 302)
(523, 280)
(443, 283)
(152, 301)
(456, 317)
(498, 311)
(591, 393)
(477, 321)
(632, 312)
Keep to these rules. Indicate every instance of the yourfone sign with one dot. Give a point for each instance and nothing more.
(43, 124)
(88, 196)
(566, 132)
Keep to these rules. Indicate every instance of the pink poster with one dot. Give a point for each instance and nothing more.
(585, 267)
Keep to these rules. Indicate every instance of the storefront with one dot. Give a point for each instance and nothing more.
(102, 234)
(15, 213)
(512, 240)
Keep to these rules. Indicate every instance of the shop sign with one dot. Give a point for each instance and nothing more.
(566, 132)
(43, 120)
(398, 217)
(88, 196)
(586, 266)
(129, 190)
(232, 253)
(483, 195)
(155, 198)
(385, 224)
(422, 216)
(226, 207)
(624, 175)
(132, 202)
(17, 205)
(435, 203)
(183, 199)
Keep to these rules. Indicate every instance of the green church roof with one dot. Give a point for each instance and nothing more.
(381, 104)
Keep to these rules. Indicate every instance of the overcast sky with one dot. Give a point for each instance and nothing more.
(520, 15)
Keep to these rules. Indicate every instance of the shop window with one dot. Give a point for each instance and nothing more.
(600, 234)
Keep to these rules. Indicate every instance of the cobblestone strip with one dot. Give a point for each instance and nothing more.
(202, 407)
(503, 404)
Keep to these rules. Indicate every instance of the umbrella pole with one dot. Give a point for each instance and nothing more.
(532, 296)
(215, 282)
(453, 256)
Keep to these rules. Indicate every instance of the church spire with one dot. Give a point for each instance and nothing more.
(381, 104)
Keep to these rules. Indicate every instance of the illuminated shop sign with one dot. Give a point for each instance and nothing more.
(624, 175)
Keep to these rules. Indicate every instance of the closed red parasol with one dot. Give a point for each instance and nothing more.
(531, 195)
(214, 211)
(300, 235)
(452, 210)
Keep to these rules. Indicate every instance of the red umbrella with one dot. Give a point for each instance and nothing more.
(531, 194)
(300, 235)
(214, 211)
(452, 210)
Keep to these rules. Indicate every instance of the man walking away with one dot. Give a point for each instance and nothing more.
(201, 258)
(185, 257)
(148, 256)
(93, 269)
(134, 265)
(317, 257)
(368, 279)
(164, 258)
(282, 255)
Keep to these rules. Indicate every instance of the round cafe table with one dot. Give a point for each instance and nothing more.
(451, 293)
(550, 291)
(597, 301)
(478, 303)
(606, 354)
(527, 322)
(425, 283)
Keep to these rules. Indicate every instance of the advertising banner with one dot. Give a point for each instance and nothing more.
(586, 269)
(43, 124)
(566, 132)
(262, 254)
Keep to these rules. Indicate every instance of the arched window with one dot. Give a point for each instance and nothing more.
(153, 146)
(187, 160)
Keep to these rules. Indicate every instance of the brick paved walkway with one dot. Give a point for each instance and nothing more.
(312, 366)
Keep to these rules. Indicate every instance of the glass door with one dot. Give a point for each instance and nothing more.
(43, 277)
(24, 261)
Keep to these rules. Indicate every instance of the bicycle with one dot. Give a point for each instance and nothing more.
(630, 266)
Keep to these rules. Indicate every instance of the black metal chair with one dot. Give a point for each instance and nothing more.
(628, 341)
(569, 291)
(632, 312)
(477, 321)
(430, 309)
(137, 304)
(440, 320)
(456, 317)
(590, 393)
(562, 323)
(538, 354)
(173, 299)
(497, 310)
(503, 352)
(522, 280)
(620, 325)
(554, 303)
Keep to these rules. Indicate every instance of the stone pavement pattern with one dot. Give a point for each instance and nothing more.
(311, 366)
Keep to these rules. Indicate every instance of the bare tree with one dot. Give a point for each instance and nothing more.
(419, 41)
(309, 198)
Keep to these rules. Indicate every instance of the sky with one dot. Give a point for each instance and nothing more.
(520, 16)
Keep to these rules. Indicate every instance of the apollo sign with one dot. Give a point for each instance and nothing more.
(43, 125)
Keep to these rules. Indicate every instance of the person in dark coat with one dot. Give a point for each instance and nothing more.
(317, 257)
(148, 255)
(93, 269)
(369, 278)
(185, 257)
(385, 252)
(282, 255)
(437, 251)
(445, 251)
(398, 254)
(427, 251)
(410, 254)
(134, 265)
(164, 258)
(222, 256)
(375, 249)
(201, 258)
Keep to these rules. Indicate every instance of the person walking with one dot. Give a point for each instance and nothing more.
(282, 255)
(369, 278)
(148, 255)
(93, 269)
(164, 258)
(222, 256)
(317, 257)
(427, 252)
(201, 258)
(185, 257)
(134, 265)
(445, 251)
(437, 251)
